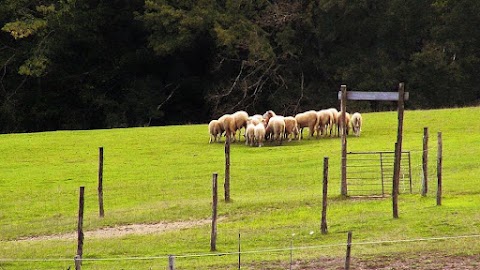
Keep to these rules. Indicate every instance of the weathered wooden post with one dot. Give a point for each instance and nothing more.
(227, 170)
(100, 182)
(425, 162)
(398, 148)
(323, 226)
(81, 203)
(349, 251)
(213, 238)
(439, 169)
(343, 108)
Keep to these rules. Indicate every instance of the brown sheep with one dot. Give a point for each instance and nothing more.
(215, 128)
(267, 115)
(229, 126)
(356, 123)
(241, 118)
(291, 128)
(324, 121)
(307, 119)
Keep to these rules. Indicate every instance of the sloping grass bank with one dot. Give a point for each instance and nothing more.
(162, 174)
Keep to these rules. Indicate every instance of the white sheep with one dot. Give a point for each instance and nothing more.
(250, 133)
(307, 119)
(259, 133)
(356, 123)
(275, 129)
(215, 129)
(334, 127)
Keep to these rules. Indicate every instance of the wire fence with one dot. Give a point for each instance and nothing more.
(278, 258)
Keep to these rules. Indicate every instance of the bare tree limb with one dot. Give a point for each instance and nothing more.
(301, 94)
(169, 96)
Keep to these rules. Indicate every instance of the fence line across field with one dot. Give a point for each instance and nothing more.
(382, 242)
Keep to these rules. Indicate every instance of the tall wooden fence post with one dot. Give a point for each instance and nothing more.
(323, 226)
(425, 162)
(213, 238)
(439, 169)
(227, 170)
(395, 185)
(81, 203)
(398, 148)
(349, 251)
(100, 182)
(343, 105)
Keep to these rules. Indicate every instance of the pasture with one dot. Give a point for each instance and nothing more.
(163, 175)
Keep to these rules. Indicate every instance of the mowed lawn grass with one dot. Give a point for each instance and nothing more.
(164, 174)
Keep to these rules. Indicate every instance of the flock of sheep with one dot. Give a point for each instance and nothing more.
(272, 127)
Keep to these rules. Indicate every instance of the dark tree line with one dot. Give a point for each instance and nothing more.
(84, 64)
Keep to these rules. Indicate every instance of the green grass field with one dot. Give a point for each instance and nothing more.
(164, 174)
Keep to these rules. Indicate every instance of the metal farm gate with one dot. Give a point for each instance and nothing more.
(371, 173)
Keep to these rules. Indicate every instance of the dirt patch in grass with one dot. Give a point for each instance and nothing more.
(394, 262)
(119, 231)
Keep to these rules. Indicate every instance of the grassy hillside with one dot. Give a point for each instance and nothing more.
(163, 174)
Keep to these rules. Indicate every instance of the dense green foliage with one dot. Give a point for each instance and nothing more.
(163, 174)
(82, 64)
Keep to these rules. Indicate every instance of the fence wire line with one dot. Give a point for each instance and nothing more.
(248, 252)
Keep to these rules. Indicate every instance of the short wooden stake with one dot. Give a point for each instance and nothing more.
(100, 182)
(213, 238)
(239, 252)
(171, 262)
(78, 262)
(227, 170)
(81, 203)
(425, 162)
(323, 226)
(349, 251)
(439, 169)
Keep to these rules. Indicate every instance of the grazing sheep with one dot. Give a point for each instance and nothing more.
(229, 126)
(241, 118)
(356, 123)
(324, 120)
(267, 115)
(259, 133)
(291, 128)
(250, 133)
(255, 119)
(215, 128)
(275, 129)
(307, 119)
(340, 124)
(334, 125)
